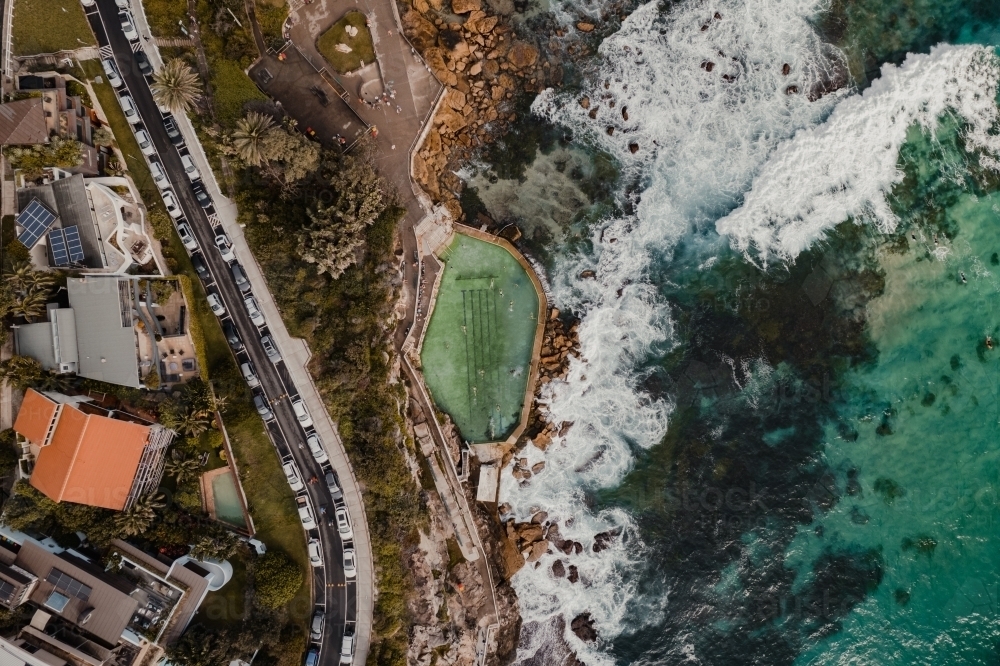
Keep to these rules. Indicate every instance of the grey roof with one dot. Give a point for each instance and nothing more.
(106, 338)
(23, 123)
(68, 198)
(109, 598)
(35, 340)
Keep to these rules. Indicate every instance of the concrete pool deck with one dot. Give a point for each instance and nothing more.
(435, 236)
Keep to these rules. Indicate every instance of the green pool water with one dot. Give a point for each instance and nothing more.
(477, 350)
(228, 507)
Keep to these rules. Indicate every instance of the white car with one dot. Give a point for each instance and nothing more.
(145, 143)
(316, 448)
(171, 204)
(271, 349)
(128, 27)
(112, 72)
(122, 4)
(216, 305)
(225, 247)
(184, 231)
(301, 413)
(344, 524)
(256, 316)
(131, 113)
(347, 650)
(87, 3)
(315, 553)
(249, 375)
(350, 566)
(189, 168)
(306, 515)
(159, 175)
(316, 628)
(292, 475)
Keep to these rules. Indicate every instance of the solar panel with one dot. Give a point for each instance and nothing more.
(68, 584)
(57, 244)
(6, 591)
(35, 219)
(73, 243)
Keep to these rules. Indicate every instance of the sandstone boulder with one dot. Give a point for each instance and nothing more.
(585, 102)
(465, 6)
(538, 549)
(583, 26)
(419, 30)
(529, 532)
(539, 517)
(521, 55)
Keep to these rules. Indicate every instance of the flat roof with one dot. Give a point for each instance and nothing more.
(105, 333)
(67, 197)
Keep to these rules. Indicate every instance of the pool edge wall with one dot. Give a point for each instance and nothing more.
(536, 346)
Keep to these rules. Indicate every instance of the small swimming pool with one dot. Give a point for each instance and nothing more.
(228, 507)
(476, 355)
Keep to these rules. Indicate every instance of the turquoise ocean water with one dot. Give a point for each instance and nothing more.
(825, 486)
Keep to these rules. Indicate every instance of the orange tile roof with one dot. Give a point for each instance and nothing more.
(90, 460)
(35, 416)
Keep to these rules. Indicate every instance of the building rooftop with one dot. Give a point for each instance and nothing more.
(67, 198)
(22, 123)
(82, 458)
(79, 592)
(105, 333)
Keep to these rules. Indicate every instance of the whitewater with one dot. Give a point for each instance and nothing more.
(747, 135)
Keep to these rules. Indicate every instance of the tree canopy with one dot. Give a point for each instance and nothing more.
(276, 579)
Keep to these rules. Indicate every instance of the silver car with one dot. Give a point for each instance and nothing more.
(316, 628)
(350, 565)
(263, 408)
(256, 316)
(270, 348)
(249, 375)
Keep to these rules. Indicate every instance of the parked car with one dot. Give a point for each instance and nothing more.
(256, 316)
(262, 407)
(111, 71)
(240, 276)
(347, 649)
(350, 565)
(270, 348)
(187, 238)
(88, 3)
(145, 143)
(215, 303)
(159, 175)
(312, 657)
(173, 133)
(292, 476)
(301, 413)
(316, 449)
(306, 514)
(344, 524)
(331, 483)
(249, 375)
(201, 195)
(128, 27)
(128, 107)
(170, 202)
(316, 627)
(315, 553)
(142, 62)
(200, 266)
(122, 4)
(232, 335)
(189, 168)
(225, 247)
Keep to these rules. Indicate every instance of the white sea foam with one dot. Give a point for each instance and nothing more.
(701, 138)
(846, 166)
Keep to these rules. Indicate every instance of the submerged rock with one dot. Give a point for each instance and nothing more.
(583, 626)
(558, 569)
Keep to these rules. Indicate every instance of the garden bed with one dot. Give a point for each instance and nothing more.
(362, 50)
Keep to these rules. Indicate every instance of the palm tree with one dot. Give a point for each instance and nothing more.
(140, 515)
(176, 86)
(23, 278)
(182, 469)
(250, 131)
(30, 304)
(193, 423)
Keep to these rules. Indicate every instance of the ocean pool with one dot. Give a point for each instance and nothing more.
(476, 354)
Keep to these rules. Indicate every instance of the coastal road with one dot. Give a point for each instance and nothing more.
(332, 592)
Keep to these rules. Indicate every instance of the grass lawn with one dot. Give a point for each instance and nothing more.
(47, 26)
(232, 89)
(362, 50)
(163, 17)
(271, 502)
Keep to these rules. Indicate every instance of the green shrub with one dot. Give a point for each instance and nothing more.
(232, 89)
(276, 579)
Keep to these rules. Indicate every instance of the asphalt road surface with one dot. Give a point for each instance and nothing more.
(333, 594)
